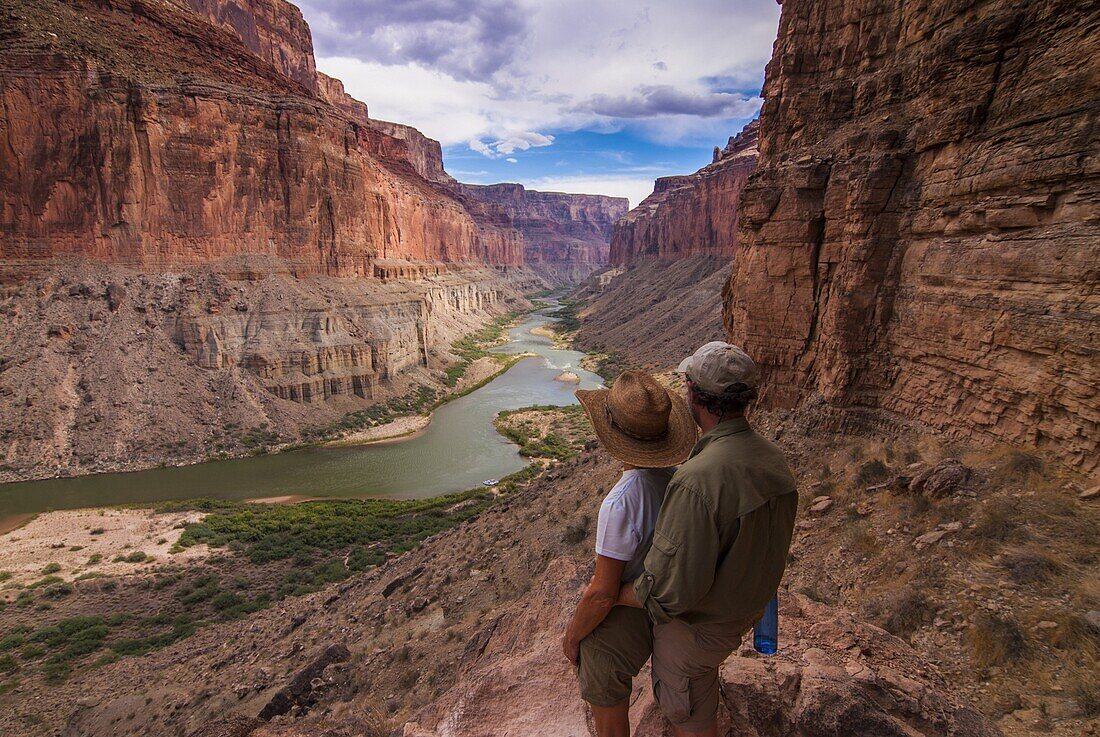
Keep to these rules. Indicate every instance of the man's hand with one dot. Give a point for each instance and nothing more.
(572, 650)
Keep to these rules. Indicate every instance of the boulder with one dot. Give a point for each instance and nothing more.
(943, 479)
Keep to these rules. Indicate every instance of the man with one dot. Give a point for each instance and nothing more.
(721, 541)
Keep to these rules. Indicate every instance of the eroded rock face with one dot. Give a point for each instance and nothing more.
(833, 675)
(273, 30)
(108, 368)
(123, 147)
(922, 232)
(693, 215)
(565, 234)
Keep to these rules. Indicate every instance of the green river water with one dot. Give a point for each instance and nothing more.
(459, 450)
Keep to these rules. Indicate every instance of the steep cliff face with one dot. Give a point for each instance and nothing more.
(922, 232)
(564, 234)
(273, 30)
(690, 215)
(124, 147)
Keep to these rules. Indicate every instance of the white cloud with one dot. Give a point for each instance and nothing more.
(673, 72)
(511, 160)
(634, 188)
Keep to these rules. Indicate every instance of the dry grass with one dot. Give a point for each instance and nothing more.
(995, 640)
(906, 612)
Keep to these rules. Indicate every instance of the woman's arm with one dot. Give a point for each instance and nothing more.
(595, 603)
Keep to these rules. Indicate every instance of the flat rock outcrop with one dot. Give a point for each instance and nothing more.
(833, 675)
(565, 235)
(922, 232)
(691, 215)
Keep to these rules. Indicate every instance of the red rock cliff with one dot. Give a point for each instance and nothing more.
(140, 135)
(690, 215)
(566, 234)
(922, 233)
(273, 30)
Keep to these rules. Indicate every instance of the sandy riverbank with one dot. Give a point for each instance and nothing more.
(406, 428)
(88, 541)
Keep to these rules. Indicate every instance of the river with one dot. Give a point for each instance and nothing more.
(458, 450)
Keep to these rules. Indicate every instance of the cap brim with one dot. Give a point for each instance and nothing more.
(670, 450)
(685, 365)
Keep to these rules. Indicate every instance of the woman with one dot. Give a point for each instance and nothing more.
(649, 429)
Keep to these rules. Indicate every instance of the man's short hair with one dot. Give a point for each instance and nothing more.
(732, 401)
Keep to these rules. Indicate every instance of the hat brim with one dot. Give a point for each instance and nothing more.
(670, 450)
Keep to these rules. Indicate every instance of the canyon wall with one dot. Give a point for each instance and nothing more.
(564, 234)
(198, 231)
(690, 215)
(273, 30)
(123, 147)
(922, 232)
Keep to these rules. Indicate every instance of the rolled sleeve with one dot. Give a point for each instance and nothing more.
(679, 568)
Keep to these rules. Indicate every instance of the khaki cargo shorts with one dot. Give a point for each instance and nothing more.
(613, 654)
(685, 669)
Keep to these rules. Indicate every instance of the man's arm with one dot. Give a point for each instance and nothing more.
(679, 568)
(594, 605)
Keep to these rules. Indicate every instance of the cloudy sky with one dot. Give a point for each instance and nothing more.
(572, 95)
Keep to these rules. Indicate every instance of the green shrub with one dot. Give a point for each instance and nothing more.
(50, 568)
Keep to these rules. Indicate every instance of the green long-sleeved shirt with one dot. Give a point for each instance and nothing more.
(723, 533)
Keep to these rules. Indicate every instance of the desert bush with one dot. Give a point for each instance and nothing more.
(872, 472)
(998, 522)
(50, 568)
(576, 533)
(136, 556)
(995, 640)
(906, 612)
(1030, 567)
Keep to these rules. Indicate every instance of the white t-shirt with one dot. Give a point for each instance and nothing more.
(624, 530)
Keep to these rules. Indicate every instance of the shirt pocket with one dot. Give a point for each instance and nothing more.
(661, 553)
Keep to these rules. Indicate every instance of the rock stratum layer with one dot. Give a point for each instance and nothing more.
(693, 215)
(565, 235)
(922, 233)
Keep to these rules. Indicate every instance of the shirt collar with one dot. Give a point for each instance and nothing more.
(721, 430)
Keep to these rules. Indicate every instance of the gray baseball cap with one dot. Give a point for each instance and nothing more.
(718, 365)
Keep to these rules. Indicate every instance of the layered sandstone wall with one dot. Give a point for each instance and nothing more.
(273, 30)
(565, 234)
(107, 368)
(156, 161)
(690, 215)
(922, 232)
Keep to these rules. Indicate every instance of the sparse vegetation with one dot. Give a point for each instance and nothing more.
(558, 433)
(995, 640)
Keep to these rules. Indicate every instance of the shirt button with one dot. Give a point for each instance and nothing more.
(649, 577)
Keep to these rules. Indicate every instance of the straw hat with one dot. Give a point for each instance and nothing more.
(640, 422)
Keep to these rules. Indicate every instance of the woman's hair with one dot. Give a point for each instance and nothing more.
(732, 401)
